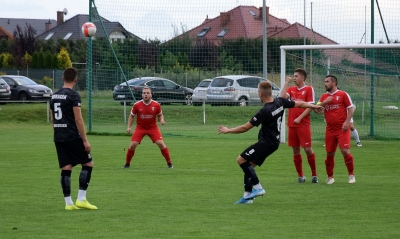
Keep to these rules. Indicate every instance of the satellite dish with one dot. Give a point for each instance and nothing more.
(65, 11)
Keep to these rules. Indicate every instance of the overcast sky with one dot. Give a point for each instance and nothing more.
(344, 21)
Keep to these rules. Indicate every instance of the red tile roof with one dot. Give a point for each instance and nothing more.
(241, 23)
(296, 30)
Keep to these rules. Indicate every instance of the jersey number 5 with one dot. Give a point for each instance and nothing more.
(57, 111)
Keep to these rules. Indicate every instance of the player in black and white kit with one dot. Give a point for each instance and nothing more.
(70, 140)
(270, 119)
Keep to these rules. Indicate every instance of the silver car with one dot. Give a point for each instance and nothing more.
(200, 92)
(240, 90)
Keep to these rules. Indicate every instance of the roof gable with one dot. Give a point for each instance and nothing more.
(242, 21)
(73, 28)
(10, 24)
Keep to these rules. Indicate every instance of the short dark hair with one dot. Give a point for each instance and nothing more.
(333, 78)
(70, 74)
(265, 87)
(302, 72)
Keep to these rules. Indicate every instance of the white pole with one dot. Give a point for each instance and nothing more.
(204, 112)
(48, 111)
(283, 74)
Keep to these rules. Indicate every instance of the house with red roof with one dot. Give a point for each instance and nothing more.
(247, 22)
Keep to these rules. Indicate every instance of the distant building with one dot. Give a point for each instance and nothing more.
(9, 25)
(247, 22)
(72, 29)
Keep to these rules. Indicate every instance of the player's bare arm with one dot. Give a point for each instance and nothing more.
(323, 103)
(237, 130)
(346, 123)
(300, 104)
(81, 128)
(130, 122)
(304, 114)
(283, 93)
(161, 118)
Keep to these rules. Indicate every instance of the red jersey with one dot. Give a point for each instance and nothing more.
(304, 94)
(146, 114)
(335, 112)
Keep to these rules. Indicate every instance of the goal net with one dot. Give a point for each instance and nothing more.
(369, 73)
(178, 45)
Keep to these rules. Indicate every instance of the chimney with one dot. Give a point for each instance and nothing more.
(60, 18)
(224, 18)
(260, 9)
(47, 26)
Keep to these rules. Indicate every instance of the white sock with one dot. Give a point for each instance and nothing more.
(246, 194)
(68, 201)
(81, 195)
(355, 135)
(258, 186)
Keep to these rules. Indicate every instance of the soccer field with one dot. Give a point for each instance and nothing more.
(195, 199)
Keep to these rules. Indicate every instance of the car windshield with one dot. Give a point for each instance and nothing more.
(2, 81)
(221, 82)
(204, 84)
(134, 82)
(22, 80)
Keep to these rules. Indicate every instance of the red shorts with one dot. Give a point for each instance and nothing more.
(299, 136)
(153, 133)
(335, 138)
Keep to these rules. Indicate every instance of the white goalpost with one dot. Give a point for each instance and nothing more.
(283, 69)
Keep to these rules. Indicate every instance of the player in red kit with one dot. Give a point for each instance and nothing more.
(299, 123)
(337, 113)
(146, 111)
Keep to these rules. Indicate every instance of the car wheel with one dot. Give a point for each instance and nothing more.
(243, 101)
(22, 96)
(188, 99)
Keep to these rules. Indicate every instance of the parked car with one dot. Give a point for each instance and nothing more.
(23, 88)
(164, 91)
(5, 91)
(200, 92)
(239, 90)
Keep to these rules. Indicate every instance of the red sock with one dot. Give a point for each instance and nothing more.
(349, 161)
(329, 164)
(311, 162)
(129, 156)
(165, 153)
(298, 164)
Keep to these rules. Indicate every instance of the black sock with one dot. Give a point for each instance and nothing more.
(249, 170)
(65, 181)
(248, 186)
(84, 177)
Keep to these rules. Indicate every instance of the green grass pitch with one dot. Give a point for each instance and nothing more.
(195, 199)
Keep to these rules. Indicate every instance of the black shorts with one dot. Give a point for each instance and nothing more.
(72, 152)
(258, 152)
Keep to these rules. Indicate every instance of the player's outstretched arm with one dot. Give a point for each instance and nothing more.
(299, 104)
(237, 130)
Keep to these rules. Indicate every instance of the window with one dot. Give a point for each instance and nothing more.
(252, 13)
(203, 32)
(170, 85)
(222, 33)
(49, 36)
(68, 36)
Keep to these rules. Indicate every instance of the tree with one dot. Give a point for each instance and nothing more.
(26, 60)
(25, 41)
(63, 59)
